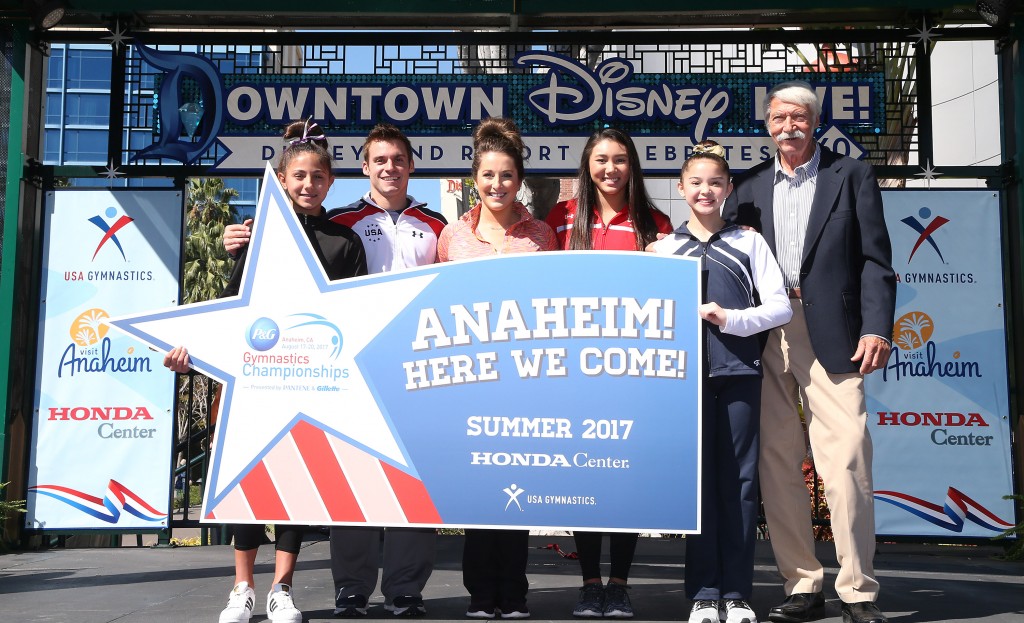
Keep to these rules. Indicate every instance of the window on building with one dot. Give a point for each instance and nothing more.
(85, 146)
(55, 68)
(87, 109)
(54, 109)
(88, 69)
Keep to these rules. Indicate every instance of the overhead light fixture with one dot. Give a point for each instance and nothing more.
(995, 13)
(47, 13)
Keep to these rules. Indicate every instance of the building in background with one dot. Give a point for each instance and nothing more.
(77, 113)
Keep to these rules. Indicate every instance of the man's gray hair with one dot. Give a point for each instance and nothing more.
(794, 92)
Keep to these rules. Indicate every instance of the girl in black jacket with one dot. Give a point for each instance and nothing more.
(305, 173)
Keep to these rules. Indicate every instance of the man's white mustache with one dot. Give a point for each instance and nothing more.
(782, 136)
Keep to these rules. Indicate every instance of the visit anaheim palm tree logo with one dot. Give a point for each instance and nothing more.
(912, 330)
(90, 327)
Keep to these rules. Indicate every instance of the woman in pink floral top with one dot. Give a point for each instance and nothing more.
(498, 223)
(494, 561)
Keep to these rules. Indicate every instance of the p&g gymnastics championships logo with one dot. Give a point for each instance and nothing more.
(309, 332)
(925, 228)
(263, 334)
(110, 230)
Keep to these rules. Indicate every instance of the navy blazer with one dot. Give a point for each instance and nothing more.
(846, 278)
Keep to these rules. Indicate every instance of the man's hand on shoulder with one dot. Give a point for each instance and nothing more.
(872, 353)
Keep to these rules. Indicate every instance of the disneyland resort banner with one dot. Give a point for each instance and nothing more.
(233, 121)
(938, 411)
(103, 425)
(541, 390)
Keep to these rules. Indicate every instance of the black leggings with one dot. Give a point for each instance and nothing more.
(621, 548)
(251, 536)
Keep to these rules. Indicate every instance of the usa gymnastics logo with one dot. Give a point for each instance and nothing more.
(110, 230)
(952, 515)
(925, 229)
(118, 499)
(513, 492)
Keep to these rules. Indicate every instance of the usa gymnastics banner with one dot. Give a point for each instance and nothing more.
(939, 410)
(103, 427)
(534, 390)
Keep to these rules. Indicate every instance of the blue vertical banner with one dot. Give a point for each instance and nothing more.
(103, 424)
(939, 410)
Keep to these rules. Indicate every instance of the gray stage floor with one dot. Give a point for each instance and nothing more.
(130, 584)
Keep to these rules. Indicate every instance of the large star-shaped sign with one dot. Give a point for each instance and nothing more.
(422, 397)
(292, 364)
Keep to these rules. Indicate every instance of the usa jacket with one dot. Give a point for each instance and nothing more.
(739, 272)
(391, 245)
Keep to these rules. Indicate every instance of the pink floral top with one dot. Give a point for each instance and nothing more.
(460, 240)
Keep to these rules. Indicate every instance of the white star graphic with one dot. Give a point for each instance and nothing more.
(284, 282)
(928, 173)
(925, 35)
(118, 36)
(110, 172)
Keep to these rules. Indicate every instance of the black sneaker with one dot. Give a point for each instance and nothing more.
(591, 603)
(349, 606)
(406, 606)
(480, 610)
(616, 602)
(514, 610)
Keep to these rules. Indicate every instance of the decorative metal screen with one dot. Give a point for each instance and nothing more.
(877, 71)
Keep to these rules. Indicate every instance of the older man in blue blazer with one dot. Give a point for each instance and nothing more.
(822, 214)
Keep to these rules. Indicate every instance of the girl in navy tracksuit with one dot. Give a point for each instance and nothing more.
(743, 295)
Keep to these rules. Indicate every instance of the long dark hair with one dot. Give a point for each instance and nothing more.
(641, 208)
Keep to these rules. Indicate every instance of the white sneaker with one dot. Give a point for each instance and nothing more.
(241, 599)
(280, 607)
(704, 611)
(736, 611)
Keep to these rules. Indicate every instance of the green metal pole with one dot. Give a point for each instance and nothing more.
(12, 209)
(1012, 113)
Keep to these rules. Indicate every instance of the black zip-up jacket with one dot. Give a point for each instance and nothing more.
(336, 246)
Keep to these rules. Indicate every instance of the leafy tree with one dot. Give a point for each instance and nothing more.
(207, 268)
(207, 265)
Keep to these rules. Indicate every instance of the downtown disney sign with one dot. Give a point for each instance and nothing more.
(557, 102)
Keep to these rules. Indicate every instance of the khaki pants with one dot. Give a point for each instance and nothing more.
(835, 410)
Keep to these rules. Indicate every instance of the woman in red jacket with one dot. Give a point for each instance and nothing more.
(611, 212)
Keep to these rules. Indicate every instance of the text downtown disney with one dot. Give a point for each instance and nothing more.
(560, 91)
